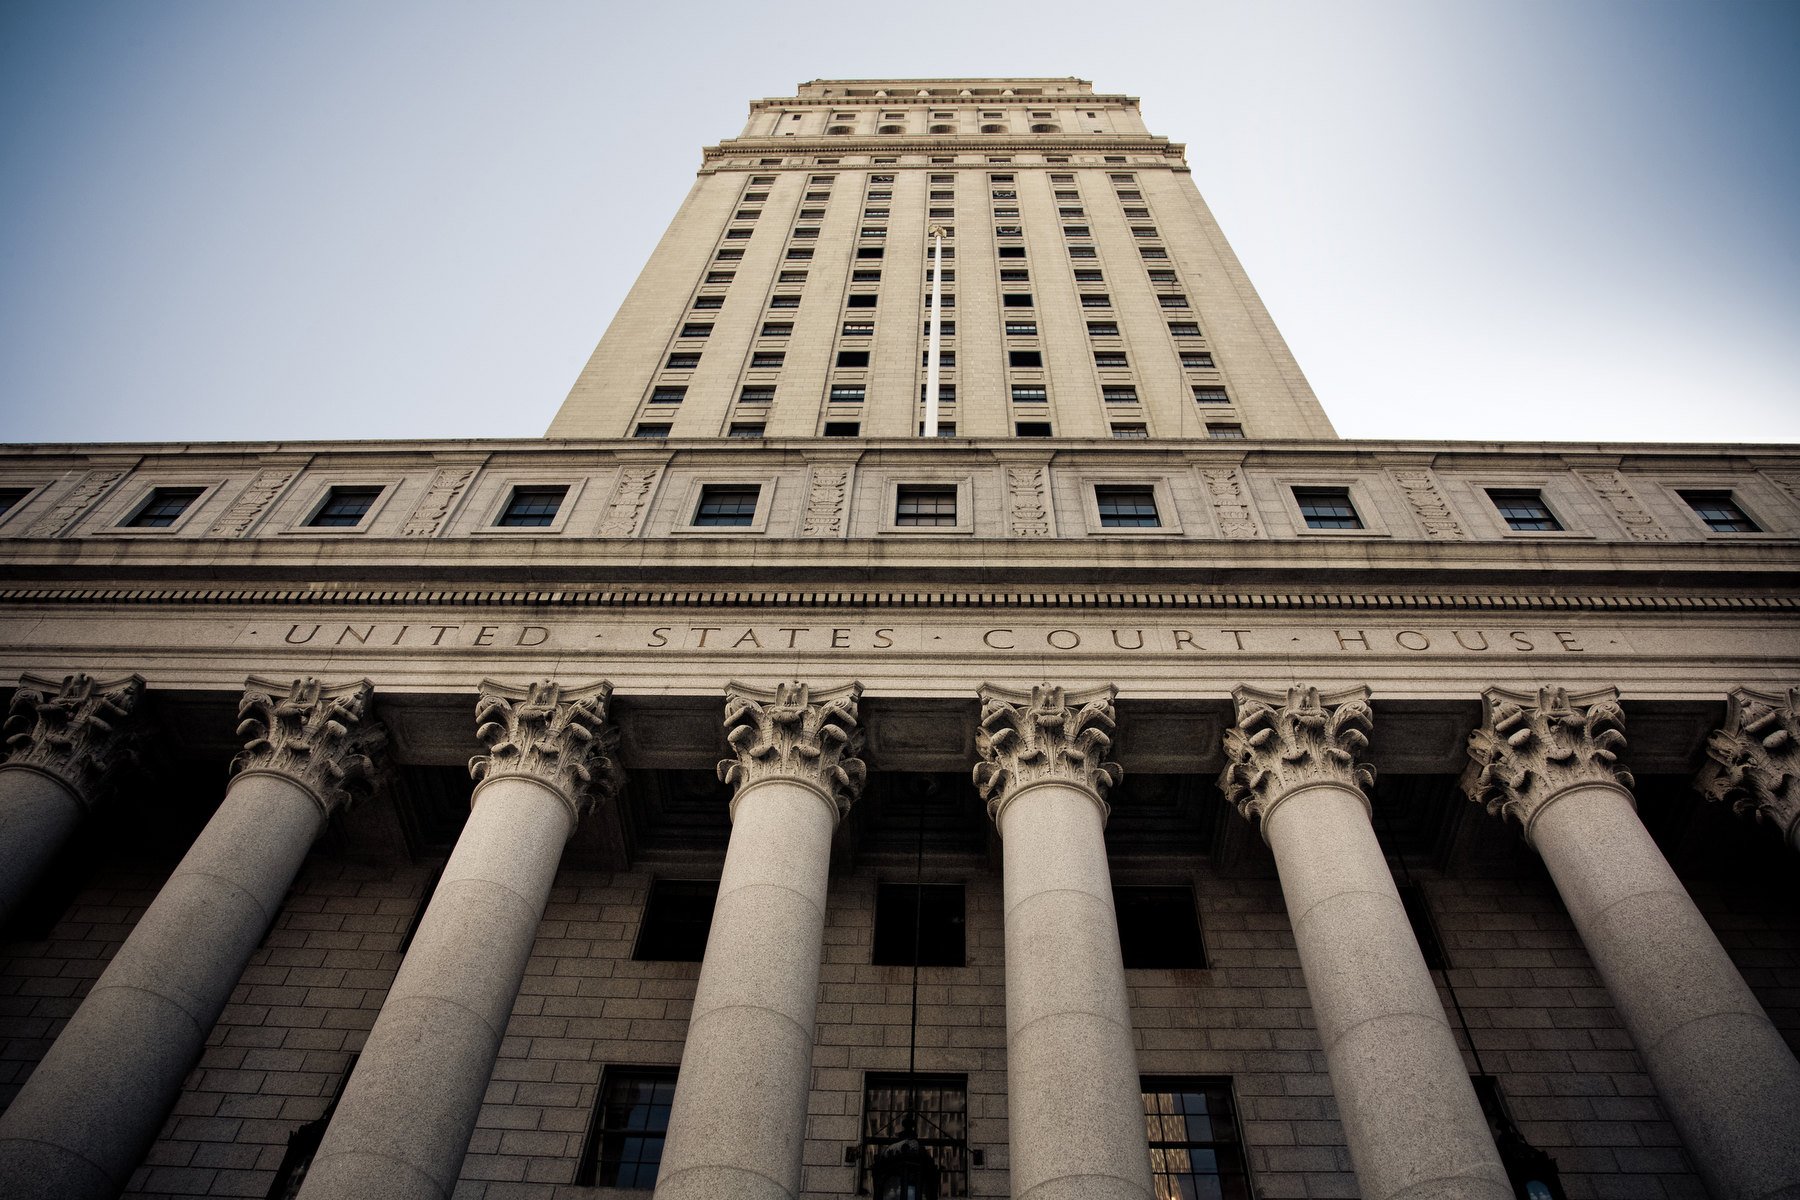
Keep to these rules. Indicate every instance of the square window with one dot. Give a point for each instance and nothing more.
(918, 505)
(727, 504)
(1720, 512)
(667, 395)
(766, 359)
(846, 393)
(1224, 431)
(683, 361)
(1024, 358)
(625, 1144)
(928, 915)
(1130, 430)
(163, 507)
(344, 507)
(746, 429)
(1196, 1148)
(677, 915)
(1327, 508)
(1031, 428)
(1159, 927)
(1524, 510)
(853, 358)
(842, 428)
(1126, 506)
(1119, 395)
(651, 429)
(531, 506)
(942, 1105)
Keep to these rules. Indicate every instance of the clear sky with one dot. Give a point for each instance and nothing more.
(1538, 219)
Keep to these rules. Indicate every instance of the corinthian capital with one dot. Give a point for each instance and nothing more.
(326, 739)
(1753, 760)
(791, 732)
(556, 736)
(1048, 733)
(1532, 748)
(1283, 742)
(76, 730)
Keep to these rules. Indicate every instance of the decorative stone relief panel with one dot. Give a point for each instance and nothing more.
(1611, 487)
(447, 487)
(559, 738)
(789, 733)
(1225, 491)
(1049, 733)
(1027, 509)
(826, 497)
(1283, 742)
(253, 502)
(78, 730)
(1531, 748)
(74, 502)
(1428, 505)
(325, 738)
(625, 509)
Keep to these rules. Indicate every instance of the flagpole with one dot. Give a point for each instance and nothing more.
(937, 331)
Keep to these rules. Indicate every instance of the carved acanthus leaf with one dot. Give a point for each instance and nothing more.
(78, 730)
(557, 736)
(789, 732)
(324, 738)
(1284, 742)
(1049, 733)
(1530, 748)
(1753, 760)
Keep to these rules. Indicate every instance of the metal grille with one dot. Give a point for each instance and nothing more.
(943, 1108)
(1196, 1152)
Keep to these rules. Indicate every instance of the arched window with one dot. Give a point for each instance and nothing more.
(838, 129)
(889, 129)
(943, 129)
(993, 129)
(1045, 129)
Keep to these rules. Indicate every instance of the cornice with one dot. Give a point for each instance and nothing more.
(949, 143)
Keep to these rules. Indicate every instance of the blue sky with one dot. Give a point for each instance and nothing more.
(1543, 219)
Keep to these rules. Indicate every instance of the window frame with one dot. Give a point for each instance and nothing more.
(1361, 499)
(1160, 491)
(318, 492)
(965, 509)
(141, 496)
(1159, 1084)
(1747, 500)
(696, 488)
(587, 1168)
(501, 495)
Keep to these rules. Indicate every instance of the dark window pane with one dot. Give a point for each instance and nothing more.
(1720, 512)
(939, 927)
(677, 915)
(345, 506)
(727, 504)
(942, 1105)
(163, 507)
(925, 505)
(1327, 508)
(533, 505)
(1195, 1150)
(625, 1143)
(10, 497)
(1524, 510)
(1126, 507)
(1158, 927)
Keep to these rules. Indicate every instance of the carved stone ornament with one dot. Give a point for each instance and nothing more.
(625, 508)
(252, 502)
(1049, 733)
(825, 499)
(555, 735)
(1225, 490)
(1428, 504)
(78, 730)
(791, 732)
(324, 738)
(1284, 742)
(1753, 760)
(1532, 748)
(441, 494)
(1027, 510)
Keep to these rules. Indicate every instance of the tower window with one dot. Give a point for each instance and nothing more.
(1224, 431)
(1172, 301)
(1029, 394)
(1016, 300)
(528, 506)
(727, 504)
(1024, 358)
(1327, 508)
(1126, 506)
(625, 1143)
(677, 915)
(1192, 359)
(1184, 329)
(668, 395)
(1103, 328)
(1196, 1148)
(846, 394)
(1159, 927)
(784, 301)
(853, 358)
(683, 361)
(1031, 428)
(1021, 328)
(746, 429)
(1720, 512)
(1076, 231)
(695, 329)
(920, 504)
(704, 302)
(777, 328)
(1524, 510)
(164, 506)
(1130, 429)
(1210, 395)
(766, 359)
(1109, 359)
(842, 428)
(861, 300)
(1119, 395)
(756, 394)
(652, 429)
(1095, 300)
(345, 507)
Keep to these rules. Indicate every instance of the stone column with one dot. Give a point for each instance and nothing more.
(93, 1106)
(1074, 1099)
(1729, 1081)
(65, 741)
(1414, 1125)
(1753, 760)
(403, 1125)
(738, 1126)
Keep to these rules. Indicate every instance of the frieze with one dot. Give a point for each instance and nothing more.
(626, 507)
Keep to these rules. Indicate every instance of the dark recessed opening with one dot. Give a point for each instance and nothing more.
(939, 911)
(677, 916)
(1159, 927)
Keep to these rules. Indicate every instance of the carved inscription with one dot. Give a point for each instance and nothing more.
(74, 502)
(253, 502)
(626, 508)
(1638, 522)
(825, 503)
(1028, 513)
(447, 487)
(1226, 491)
(1428, 505)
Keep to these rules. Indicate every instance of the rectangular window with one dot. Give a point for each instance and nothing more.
(791, 277)
(873, 231)
(1192, 359)
(720, 276)
(738, 234)
(942, 1104)
(865, 277)
(1210, 395)
(651, 429)
(784, 302)
(853, 358)
(667, 395)
(1015, 275)
(777, 328)
(1130, 429)
(10, 497)
(1720, 512)
(1327, 508)
(928, 916)
(766, 359)
(1095, 300)
(1089, 275)
(946, 393)
(1083, 252)
(683, 361)
(799, 253)
(625, 1143)
(1119, 395)
(1026, 393)
(745, 214)
(163, 507)
(875, 213)
(678, 912)
(806, 232)
(727, 504)
(1024, 358)
(949, 299)
(918, 504)
(1155, 252)
(843, 393)
(529, 506)
(859, 329)
(1103, 328)
(746, 429)
(947, 328)
(729, 255)
(1172, 301)
(1159, 927)
(1224, 431)
(1070, 211)
(861, 300)
(1010, 251)
(757, 394)
(1031, 428)
(1006, 231)
(1076, 231)
(705, 302)
(869, 251)
(1126, 506)
(1109, 359)
(945, 357)
(694, 329)
(1184, 329)
(1196, 1148)
(1016, 300)
(1161, 276)
(1021, 328)
(344, 507)
(842, 428)
(1524, 510)
(1127, 194)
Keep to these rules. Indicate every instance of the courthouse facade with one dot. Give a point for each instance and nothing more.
(1147, 792)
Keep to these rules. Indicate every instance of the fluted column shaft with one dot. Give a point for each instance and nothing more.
(1725, 1074)
(737, 1130)
(94, 1104)
(405, 1119)
(1414, 1125)
(1074, 1097)
(64, 742)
